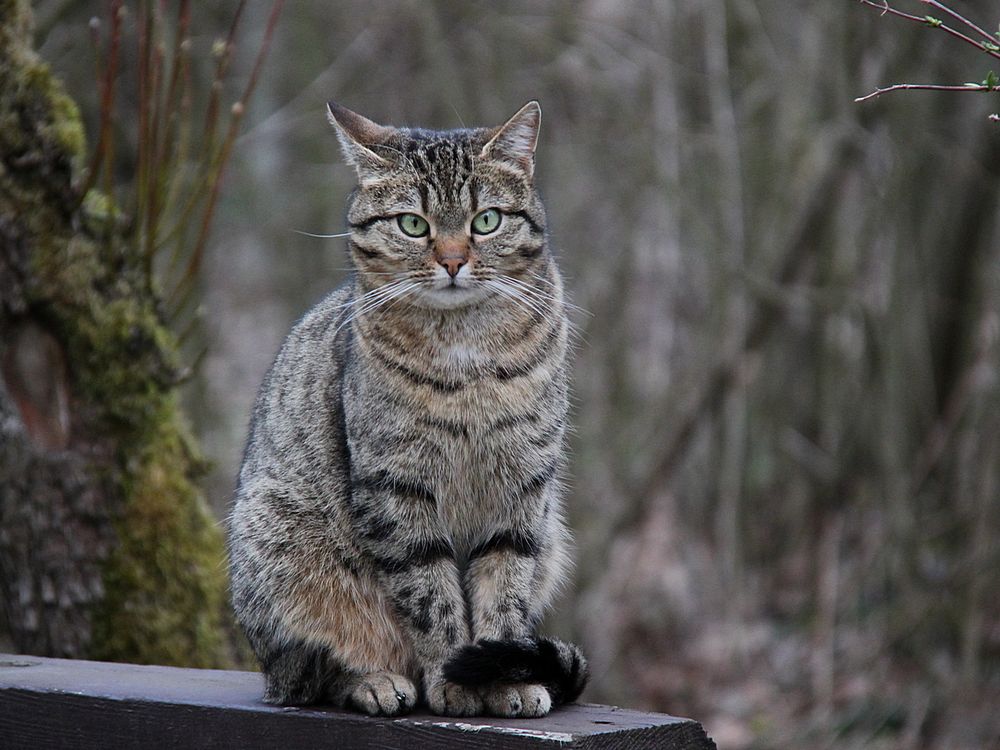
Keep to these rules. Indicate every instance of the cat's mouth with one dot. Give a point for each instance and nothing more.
(453, 283)
(452, 293)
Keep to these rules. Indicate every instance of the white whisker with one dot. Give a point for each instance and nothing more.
(388, 294)
(541, 299)
(544, 295)
(524, 300)
(372, 293)
(500, 289)
(377, 294)
(396, 293)
(321, 236)
(547, 281)
(351, 269)
(532, 292)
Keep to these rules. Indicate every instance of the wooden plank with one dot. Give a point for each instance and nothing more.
(59, 703)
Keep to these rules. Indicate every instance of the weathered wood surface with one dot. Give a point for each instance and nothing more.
(59, 703)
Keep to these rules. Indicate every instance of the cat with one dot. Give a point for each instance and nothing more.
(398, 528)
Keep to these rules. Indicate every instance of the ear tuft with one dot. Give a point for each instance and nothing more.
(358, 138)
(515, 140)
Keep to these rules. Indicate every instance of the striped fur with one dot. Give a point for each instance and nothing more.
(399, 497)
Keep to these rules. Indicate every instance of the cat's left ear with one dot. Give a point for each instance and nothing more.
(359, 137)
(514, 141)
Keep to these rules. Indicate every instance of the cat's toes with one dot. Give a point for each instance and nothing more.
(382, 694)
(519, 700)
(450, 699)
(535, 701)
(502, 700)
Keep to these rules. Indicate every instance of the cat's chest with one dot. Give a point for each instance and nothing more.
(462, 357)
(486, 446)
(475, 482)
(460, 419)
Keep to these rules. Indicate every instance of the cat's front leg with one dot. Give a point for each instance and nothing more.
(395, 519)
(428, 597)
(501, 584)
(501, 580)
(514, 569)
(509, 580)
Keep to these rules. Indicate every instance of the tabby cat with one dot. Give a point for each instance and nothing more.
(398, 530)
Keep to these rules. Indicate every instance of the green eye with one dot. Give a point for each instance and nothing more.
(413, 225)
(486, 222)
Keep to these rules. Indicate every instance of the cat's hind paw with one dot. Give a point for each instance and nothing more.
(382, 694)
(517, 700)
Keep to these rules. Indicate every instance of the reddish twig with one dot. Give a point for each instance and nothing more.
(238, 109)
(210, 162)
(102, 151)
(224, 55)
(925, 87)
(960, 18)
(990, 47)
(170, 147)
(934, 23)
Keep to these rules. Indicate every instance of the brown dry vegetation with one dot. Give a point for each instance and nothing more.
(788, 418)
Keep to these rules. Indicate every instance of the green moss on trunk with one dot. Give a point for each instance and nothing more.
(163, 598)
(165, 580)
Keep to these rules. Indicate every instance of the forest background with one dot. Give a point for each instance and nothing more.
(785, 463)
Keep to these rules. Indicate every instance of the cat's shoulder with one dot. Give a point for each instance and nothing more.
(324, 319)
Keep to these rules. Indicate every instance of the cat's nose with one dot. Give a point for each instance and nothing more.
(453, 264)
(452, 254)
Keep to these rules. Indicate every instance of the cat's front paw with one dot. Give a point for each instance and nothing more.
(382, 694)
(517, 701)
(451, 699)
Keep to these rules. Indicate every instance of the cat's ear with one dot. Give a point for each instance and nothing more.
(514, 141)
(358, 138)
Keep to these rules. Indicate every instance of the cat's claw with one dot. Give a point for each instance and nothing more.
(517, 701)
(382, 694)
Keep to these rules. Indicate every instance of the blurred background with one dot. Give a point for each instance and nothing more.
(785, 464)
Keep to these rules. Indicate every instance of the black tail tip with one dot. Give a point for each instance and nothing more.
(559, 666)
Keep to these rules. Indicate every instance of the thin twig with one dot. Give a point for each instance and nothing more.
(225, 54)
(173, 145)
(142, 146)
(234, 122)
(959, 17)
(108, 147)
(101, 151)
(926, 87)
(932, 23)
(154, 169)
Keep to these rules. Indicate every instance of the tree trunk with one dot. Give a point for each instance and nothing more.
(107, 549)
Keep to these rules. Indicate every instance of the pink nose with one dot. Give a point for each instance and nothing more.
(452, 264)
(451, 252)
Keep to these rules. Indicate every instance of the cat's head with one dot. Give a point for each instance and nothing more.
(448, 218)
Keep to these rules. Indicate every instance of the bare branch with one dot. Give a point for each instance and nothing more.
(961, 18)
(926, 87)
(934, 23)
(236, 115)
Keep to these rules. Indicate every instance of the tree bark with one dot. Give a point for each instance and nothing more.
(107, 549)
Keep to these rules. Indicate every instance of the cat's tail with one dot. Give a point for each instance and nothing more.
(559, 666)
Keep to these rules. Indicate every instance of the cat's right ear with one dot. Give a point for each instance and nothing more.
(358, 136)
